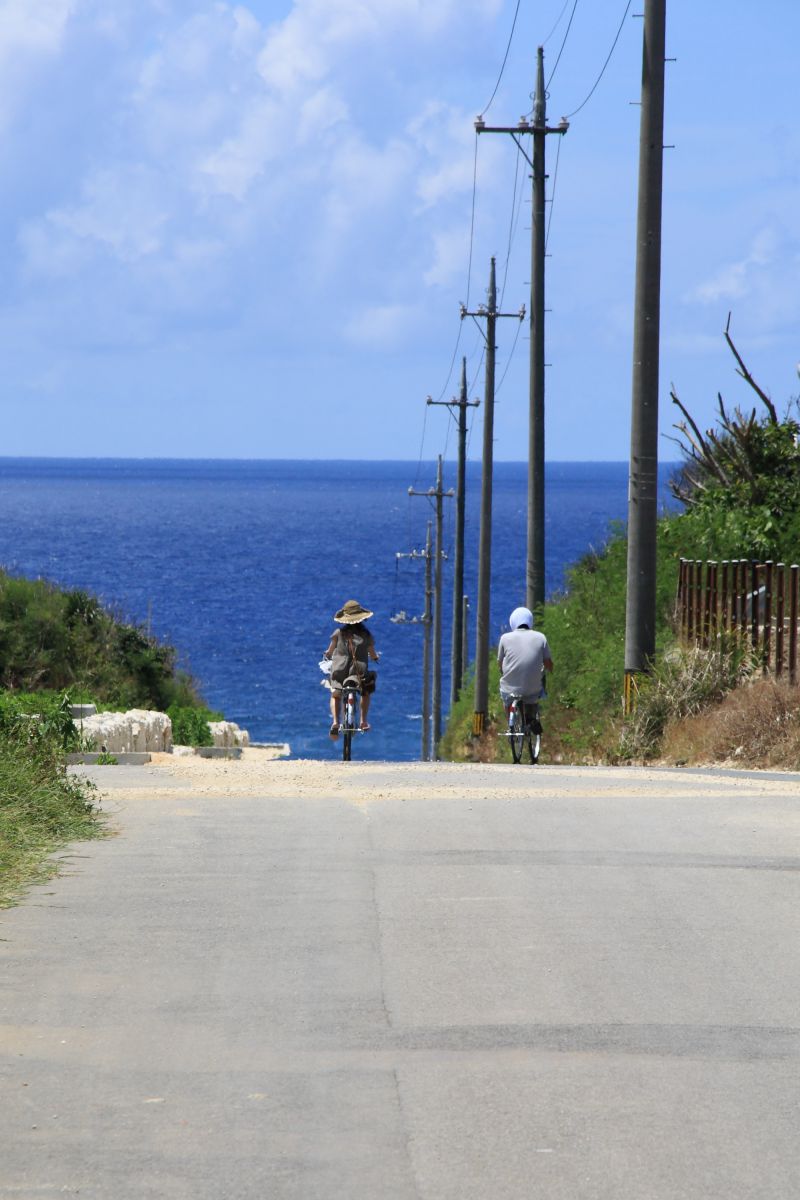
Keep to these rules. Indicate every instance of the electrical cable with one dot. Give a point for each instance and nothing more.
(605, 64)
(511, 227)
(563, 44)
(552, 195)
(564, 8)
(510, 356)
(505, 60)
(422, 441)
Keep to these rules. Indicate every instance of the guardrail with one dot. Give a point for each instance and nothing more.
(756, 600)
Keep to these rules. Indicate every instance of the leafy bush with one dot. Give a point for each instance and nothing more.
(41, 806)
(34, 717)
(190, 725)
(53, 640)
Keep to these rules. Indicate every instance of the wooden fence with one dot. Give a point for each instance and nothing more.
(755, 600)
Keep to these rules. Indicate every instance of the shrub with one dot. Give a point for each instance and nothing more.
(685, 682)
(41, 806)
(190, 725)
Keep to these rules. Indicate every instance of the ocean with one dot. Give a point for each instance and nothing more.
(241, 565)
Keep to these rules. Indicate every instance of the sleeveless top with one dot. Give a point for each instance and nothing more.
(341, 662)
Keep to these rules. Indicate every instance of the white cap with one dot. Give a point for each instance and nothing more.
(521, 616)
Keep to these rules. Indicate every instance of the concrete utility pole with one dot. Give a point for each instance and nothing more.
(538, 129)
(640, 613)
(491, 314)
(462, 404)
(439, 495)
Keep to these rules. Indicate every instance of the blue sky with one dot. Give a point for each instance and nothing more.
(243, 230)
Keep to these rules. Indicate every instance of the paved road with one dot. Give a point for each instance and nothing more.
(584, 990)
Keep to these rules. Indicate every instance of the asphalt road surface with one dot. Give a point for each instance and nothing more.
(581, 985)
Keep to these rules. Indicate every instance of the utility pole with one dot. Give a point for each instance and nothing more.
(640, 612)
(464, 635)
(538, 129)
(403, 619)
(489, 311)
(462, 404)
(439, 495)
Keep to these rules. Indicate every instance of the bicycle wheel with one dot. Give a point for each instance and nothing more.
(516, 731)
(533, 735)
(348, 724)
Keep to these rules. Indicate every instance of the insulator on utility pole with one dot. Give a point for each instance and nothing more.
(462, 404)
(640, 612)
(490, 313)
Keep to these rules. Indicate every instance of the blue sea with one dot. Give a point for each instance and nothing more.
(241, 565)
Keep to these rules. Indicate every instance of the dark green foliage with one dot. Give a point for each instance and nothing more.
(585, 628)
(58, 640)
(190, 725)
(740, 482)
(41, 806)
(42, 716)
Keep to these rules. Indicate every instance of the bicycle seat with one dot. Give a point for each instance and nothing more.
(352, 681)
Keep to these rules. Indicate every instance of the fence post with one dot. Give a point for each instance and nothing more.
(754, 605)
(690, 600)
(780, 588)
(723, 597)
(767, 639)
(699, 597)
(793, 572)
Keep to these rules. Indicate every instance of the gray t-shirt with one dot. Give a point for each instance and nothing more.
(521, 655)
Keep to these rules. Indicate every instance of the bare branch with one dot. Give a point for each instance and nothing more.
(745, 374)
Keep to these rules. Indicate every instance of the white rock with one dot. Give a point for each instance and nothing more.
(138, 729)
(228, 733)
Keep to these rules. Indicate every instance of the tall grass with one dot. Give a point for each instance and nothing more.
(686, 682)
(41, 809)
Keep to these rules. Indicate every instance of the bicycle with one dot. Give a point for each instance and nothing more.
(524, 729)
(351, 704)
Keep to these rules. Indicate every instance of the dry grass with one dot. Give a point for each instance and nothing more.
(687, 682)
(757, 725)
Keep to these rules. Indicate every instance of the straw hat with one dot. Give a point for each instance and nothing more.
(351, 613)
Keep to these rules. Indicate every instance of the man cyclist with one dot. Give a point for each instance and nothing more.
(523, 656)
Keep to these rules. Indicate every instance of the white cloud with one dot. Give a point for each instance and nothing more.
(760, 288)
(381, 327)
(31, 33)
(121, 213)
(737, 279)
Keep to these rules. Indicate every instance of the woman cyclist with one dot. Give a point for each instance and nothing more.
(350, 652)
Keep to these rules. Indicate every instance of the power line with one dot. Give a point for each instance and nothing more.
(558, 22)
(511, 226)
(563, 44)
(510, 356)
(472, 217)
(505, 60)
(605, 64)
(552, 195)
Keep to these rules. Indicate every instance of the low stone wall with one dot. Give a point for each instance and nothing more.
(139, 729)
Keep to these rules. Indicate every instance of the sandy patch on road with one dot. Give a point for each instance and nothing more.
(257, 773)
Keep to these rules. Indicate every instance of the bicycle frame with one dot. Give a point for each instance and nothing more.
(523, 728)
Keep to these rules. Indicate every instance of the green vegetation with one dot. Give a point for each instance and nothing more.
(190, 725)
(55, 640)
(41, 806)
(740, 490)
(59, 648)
